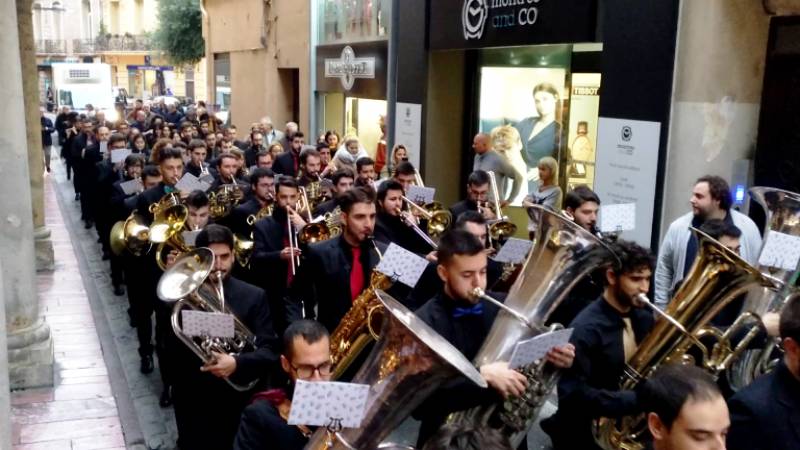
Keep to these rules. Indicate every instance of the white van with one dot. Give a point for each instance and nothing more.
(79, 84)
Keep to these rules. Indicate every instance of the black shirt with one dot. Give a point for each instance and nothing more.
(461, 207)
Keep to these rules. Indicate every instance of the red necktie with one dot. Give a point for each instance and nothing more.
(289, 276)
(356, 274)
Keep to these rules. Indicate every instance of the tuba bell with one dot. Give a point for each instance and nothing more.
(188, 284)
(130, 234)
(684, 330)
(169, 215)
(782, 209)
(562, 254)
(408, 363)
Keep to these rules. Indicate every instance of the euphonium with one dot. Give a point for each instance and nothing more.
(562, 254)
(131, 234)
(717, 277)
(782, 209)
(169, 215)
(222, 201)
(408, 363)
(187, 284)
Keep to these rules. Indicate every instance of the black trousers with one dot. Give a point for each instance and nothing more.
(140, 301)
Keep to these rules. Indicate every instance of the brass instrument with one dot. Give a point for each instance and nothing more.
(409, 221)
(312, 231)
(501, 228)
(294, 260)
(188, 284)
(262, 213)
(222, 201)
(169, 215)
(561, 255)
(782, 209)
(175, 242)
(418, 179)
(131, 234)
(408, 363)
(243, 249)
(683, 330)
(438, 217)
(354, 331)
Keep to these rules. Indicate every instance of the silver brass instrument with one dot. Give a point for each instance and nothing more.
(295, 260)
(562, 254)
(782, 209)
(408, 363)
(501, 228)
(188, 284)
(684, 330)
(411, 224)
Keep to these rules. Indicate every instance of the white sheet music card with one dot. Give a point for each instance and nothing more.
(514, 251)
(119, 155)
(318, 403)
(420, 195)
(535, 348)
(619, 217)
(201, 323)
(132, 186)
(402, 265)
(207, 178)
(103, 147)
(190, 236)
(781, 250)
(187, 183)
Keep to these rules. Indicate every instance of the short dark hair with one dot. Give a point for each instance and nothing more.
(719, 190)
(215, 234)
(298, 134)
(469, 217)
(789, 324)
(263, 152)
(716, 228)
(310, 330)
(344, 172)
(458, 242)
(134, 159)
(405, 168)
(197, 143)
(364, 161)
(386, 186)
(224, 156)
(169, 153)
(259, 173)
(286, 181)
(580, 195)
(478, 178)
(117, 137)
(671, 386)
(305, 153)
(150, 171)
(631, 257)
(356, 195)
(461, 437)
(197, 199)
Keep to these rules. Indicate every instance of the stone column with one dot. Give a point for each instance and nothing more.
(5, 401)
(30, 347)
(30, 87)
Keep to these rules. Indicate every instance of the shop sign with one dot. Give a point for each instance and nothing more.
(492, 23)
(347, 68)
(149, 67)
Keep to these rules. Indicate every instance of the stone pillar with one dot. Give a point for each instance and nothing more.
(30, 87)
(30, 347)
(5, 401)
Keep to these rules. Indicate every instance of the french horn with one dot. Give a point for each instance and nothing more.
(131, 234)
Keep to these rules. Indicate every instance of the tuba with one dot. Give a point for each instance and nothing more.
(562, 254)
(187, 284)
(169, 215)
(409, 363)
(717, 277)
(782, 209)
(131, 234)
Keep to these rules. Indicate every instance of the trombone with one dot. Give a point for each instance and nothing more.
(438, 218)
(501, 228)
(312, 231)
(295, 260)
(410, 222)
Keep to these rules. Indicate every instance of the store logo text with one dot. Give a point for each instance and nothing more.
(504, 14)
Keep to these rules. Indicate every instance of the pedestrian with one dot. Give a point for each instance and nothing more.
(47, 137)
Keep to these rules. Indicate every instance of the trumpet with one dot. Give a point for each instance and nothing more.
(501, 228)
(437, 216)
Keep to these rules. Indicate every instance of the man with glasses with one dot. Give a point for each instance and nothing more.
(477, 196)
(306, 357)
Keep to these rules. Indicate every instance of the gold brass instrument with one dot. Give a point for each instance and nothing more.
(682, 333)
(175, 242)
(243, 249)
(410, 222)
(438, 217)
(408, 363)
(131, 234)
(262, 213)
(222, 201)
(188, 283)
(169, 215)
(782, 209)
(561, 255)
(354, 331)
(501, 228)
(312, 231)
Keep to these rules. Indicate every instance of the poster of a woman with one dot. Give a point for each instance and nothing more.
(541, 134)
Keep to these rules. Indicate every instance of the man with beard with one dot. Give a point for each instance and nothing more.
(272, 254)
(262, 186)
(256, 145)
(288, 162)
(342, 182)
(605, 335)
(227, 167)
(207, 408)
(477, 196)
(711, 199)
(395, 225)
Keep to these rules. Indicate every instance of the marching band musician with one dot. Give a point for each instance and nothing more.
(207, 409)
(465, 322)
(606, 334)
(392, 223)
(477, 197)
(170, 164)
(227, 166)
(336, 271)
(198, 205)
(262, 186)
(272, 252)
(342, 180)
(288, 162)
(306, 356)
(197, 164)
(365, 170)
(310, 164)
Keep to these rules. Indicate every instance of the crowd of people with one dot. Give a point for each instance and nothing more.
(293, 293)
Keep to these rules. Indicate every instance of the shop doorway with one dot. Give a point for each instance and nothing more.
(354, 116)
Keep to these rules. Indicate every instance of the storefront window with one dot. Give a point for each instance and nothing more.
(353, 20)
(222, 81)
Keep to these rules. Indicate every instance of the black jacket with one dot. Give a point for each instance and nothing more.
(267, 266)
(47, 131)
(262, 427)
(590, 388)
(766, 414)
(119, 207)
(461, 207)
(147, 198)
(251, 156)
(390, 229)
(238, 217)
(287, 163)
